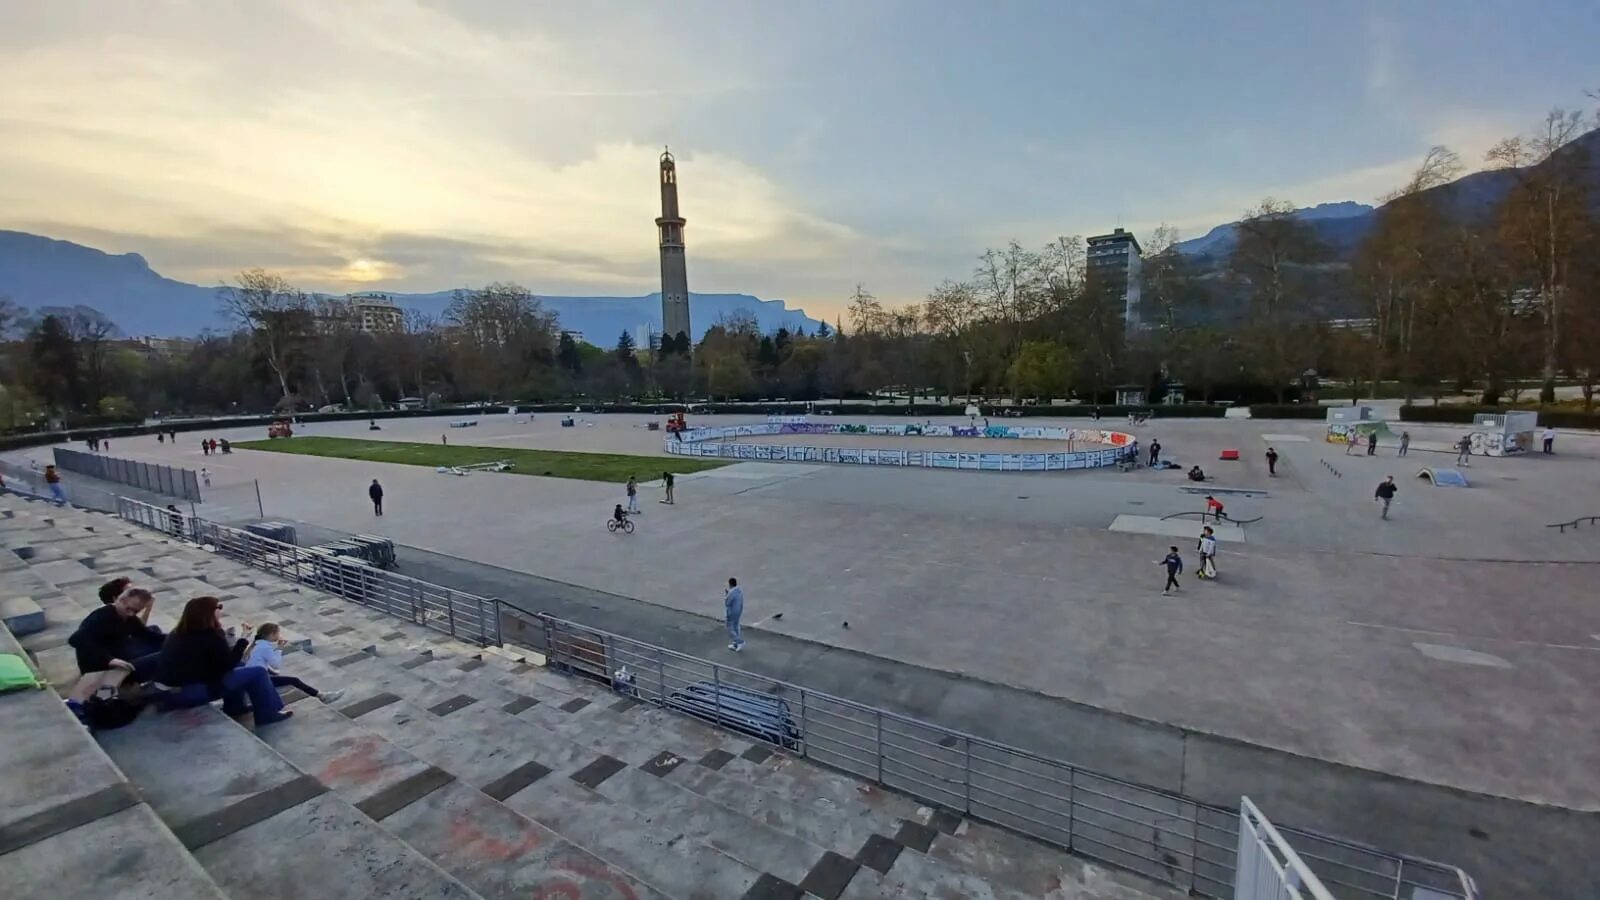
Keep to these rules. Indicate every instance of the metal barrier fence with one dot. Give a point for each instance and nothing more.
(1269, 869)
(181, 483)
(461, 615)
(1162, 835)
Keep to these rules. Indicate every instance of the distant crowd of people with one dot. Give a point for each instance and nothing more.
(126, 663)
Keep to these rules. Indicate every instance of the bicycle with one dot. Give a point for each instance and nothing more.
(625, 525)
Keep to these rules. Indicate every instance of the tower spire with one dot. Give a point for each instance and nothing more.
(674, 272)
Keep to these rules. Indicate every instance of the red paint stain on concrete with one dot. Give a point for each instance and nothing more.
(474, 841)
(357, 765)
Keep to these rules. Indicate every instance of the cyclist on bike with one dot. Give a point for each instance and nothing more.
(619, 514)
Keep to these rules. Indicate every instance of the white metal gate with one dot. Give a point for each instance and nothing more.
(1268, 868)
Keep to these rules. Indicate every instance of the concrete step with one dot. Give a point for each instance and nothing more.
(21, 615)
(637, 842)
(70, 824)
(236, 804)
(496, 852)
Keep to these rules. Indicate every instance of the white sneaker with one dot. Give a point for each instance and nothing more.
(733, 646)
(330, 696)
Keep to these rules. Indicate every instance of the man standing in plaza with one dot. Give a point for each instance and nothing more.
(633, 495)
(1385, 494)
(375, 491)
(1463, 450)
(1372, 442)
(1155, 452)
(733, 610)
(1405, 442)
(1272, 462)
(666, 482)
(1549, 437)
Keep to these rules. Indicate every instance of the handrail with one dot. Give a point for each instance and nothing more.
(1268, 866)
(1157, 833)
(1203, 515)
(1574, 523)
(456, 613)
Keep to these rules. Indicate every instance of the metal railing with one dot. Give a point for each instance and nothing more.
(1159, 834)
(468, 617)
(1269, 869)
(181, 483)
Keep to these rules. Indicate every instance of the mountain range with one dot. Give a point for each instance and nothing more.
(1341, 227)
(43, 273)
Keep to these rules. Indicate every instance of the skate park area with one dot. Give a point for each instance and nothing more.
(1455, 644)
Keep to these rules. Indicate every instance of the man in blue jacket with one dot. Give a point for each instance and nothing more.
(733, 608)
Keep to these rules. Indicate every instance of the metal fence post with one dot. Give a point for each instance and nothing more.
(805, 730)
(1072, 803)
(661, 674)
(450, 610)
(260, 510)
(967, 772)
(879, 716)
(716, 681)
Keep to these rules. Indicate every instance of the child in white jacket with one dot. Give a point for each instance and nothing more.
(267, 652)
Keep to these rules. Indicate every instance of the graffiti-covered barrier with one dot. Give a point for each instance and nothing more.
(1085, 448)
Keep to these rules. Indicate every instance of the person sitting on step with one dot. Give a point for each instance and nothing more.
(199, 663)
(1196, 475)
(267, 652)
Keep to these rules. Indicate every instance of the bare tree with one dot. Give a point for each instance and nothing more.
(92, 334)
(1270, 262)
(277, 316)
(1547, 217)
(866, 313)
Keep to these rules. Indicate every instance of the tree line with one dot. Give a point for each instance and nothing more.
(1441, 296)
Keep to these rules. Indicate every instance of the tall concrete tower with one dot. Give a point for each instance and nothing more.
(674, 274)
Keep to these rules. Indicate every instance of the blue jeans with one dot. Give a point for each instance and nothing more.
(251, 683)
(733, 630)
(57, 493)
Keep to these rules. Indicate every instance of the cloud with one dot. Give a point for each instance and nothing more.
(371, 169)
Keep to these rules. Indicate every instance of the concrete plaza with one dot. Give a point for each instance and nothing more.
(1456, 643)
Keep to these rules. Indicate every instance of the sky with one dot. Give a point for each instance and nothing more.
(416, 146)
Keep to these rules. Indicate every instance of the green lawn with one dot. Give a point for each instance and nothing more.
(613, 467)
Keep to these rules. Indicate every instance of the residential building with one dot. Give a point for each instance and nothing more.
(375, 313)
(1113, 266)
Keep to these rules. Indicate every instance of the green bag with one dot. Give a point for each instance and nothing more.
(16, 675)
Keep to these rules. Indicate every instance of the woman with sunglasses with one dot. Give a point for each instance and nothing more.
(199, 662)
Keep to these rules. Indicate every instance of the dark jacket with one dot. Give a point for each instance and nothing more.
(199, 657)
(1386, 490)
(375, 491)
(101, 637)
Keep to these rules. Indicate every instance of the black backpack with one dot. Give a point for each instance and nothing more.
(106, 713)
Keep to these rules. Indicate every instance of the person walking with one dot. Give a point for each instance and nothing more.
(1385, 494)
(375, 491)
(1463, 450)
(1405, 442)
(666, 482)
(1372, 443)
(633, 495)
(1174, 564)
(1272, 462)
(1351, 438)
(1155, 452)
(205, 476)
(1207, 546)
(161, 438)
(1549, 438)
(52, 481)
(733, 610)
